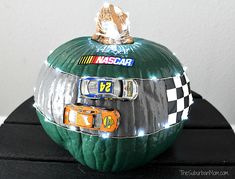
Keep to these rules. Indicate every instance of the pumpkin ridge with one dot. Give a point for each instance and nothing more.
(76, 47)
(147, 149)
(116, 156)
(52, 58)
(60, 136)
(105, 157)
(129, 158)
(169, 59)
(74, 64)
(94, 153)
(80, 155)
(108, 157)
(83, 138)
(69, 144)
(84, 148)
(70, 53)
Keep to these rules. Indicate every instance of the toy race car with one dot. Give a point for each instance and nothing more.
(97, 88)
(90, 117)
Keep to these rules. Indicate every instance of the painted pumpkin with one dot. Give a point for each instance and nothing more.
(148, 124)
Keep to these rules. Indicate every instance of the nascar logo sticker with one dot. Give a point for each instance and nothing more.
(91, 59)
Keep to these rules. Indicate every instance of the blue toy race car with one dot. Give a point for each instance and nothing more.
(104, 88)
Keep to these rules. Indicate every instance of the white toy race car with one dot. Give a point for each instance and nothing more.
(103, 88)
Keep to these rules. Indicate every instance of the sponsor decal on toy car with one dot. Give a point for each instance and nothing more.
(108, 121)
(105, 86)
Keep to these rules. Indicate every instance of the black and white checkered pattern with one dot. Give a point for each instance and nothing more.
(179, 98)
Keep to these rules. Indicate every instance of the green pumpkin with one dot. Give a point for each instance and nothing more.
(116, 153)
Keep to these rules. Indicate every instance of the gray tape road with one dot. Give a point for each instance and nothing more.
(147, 114)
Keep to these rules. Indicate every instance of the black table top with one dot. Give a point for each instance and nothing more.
(206, 147)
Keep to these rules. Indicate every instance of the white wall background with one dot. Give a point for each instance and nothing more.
(201, 33)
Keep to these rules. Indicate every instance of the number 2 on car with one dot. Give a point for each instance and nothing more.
(105, 87)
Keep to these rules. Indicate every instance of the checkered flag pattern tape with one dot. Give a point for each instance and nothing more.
(179, 98)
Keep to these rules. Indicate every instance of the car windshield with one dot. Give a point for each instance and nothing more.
(129, 88)
(72, 116)
(85, 120)
(97, 121)
(86, 112)
(92, 87)
(118, 88)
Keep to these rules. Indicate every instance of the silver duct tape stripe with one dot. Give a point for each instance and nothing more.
(151, 77)
(104, 134)
(145, 115)
(53, 91)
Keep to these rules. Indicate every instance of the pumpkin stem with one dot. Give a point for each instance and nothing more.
(112, 26)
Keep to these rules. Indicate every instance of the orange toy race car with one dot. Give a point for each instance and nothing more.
(90, 117)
